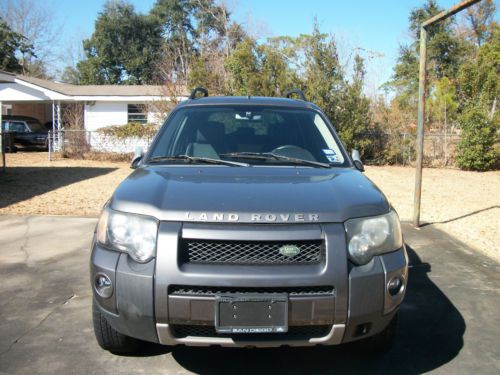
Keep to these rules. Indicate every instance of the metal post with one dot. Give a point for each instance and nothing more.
(50, 146)
(53, 124)
(58, 109)
(2, 143)
(421, 99)
(420, 126)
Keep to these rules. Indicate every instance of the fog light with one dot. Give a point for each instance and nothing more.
(103, 285)
(362, 329)
(395, 286)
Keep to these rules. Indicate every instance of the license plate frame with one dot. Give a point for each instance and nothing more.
(251, 313)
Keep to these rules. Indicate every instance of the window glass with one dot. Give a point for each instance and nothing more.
(17, 126)
(217, 131)
(137, 113)
(37, 127)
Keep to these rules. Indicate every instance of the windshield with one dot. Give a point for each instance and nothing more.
(36, 127)
(256, 135)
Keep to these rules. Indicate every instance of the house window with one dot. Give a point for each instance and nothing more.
(137, 113)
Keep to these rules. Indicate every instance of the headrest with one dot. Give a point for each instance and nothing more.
(210, 131)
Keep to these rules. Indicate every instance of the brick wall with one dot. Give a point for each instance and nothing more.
(42, 112)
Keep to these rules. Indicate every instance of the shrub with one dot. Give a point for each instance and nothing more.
(130, 130)
(476, 149)
(399, 148)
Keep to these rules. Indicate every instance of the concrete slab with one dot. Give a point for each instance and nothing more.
(449, 321)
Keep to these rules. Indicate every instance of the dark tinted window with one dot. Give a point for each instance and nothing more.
(137, 113)
(37, 127)
(17, 126)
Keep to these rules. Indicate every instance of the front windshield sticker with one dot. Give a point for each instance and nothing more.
(330, 155)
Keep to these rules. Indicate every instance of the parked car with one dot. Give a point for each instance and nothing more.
(247, 224)
(27, 131)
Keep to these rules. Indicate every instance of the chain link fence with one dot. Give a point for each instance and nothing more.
(94, 144)
(399, 148)
(385, 148)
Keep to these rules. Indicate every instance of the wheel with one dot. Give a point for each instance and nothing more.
(110, 339)
(383, 341)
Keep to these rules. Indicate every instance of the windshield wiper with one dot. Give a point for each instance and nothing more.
(196, 159)
(271, 155)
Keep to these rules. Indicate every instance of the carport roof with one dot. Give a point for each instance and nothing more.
(100, 90)
(70, 90)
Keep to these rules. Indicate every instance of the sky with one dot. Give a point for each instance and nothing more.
(375, 28)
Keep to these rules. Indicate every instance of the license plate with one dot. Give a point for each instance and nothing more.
(262, 313)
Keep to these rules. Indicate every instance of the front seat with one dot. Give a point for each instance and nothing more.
(209, 141)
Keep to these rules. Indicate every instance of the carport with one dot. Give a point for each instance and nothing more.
(32, 100)
(96, 106)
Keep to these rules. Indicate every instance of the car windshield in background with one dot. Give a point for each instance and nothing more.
(36, 127)
(257, 135)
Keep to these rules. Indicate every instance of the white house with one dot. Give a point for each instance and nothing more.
(103, 105)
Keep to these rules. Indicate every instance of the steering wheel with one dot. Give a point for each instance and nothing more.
(293, 151)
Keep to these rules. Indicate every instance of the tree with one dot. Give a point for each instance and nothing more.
(476, 149)
(176, 21)
(123, 48)
(12, 45)
(479, 90)
(355, 114)
(444, 106)
(70, 75)
(244, 70)
(481, 20)
(323, 78)
(276, 76)
(208, 71)
(35, 21)
(479, 78)
(445, 53)
(198, 36)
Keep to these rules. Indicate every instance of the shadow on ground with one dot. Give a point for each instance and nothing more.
(430, 335)
(21, 183)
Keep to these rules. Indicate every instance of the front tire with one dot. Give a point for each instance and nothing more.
(110, 339)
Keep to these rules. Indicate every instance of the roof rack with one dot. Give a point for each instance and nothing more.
(197, 90)
(299, 92)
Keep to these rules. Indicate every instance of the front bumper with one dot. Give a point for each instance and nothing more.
(146, 302)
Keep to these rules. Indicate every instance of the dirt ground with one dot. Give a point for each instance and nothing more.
(35, 186)
(466, 205)
(463, 204)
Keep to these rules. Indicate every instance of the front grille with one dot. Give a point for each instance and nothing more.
(208, 291)
(294, 332)
(250, 252)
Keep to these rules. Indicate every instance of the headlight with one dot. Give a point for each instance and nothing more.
(369, 236)
(133, 234)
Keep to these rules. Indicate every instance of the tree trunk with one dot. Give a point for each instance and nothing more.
(493, 109)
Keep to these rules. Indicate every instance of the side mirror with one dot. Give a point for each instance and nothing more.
(356, 159)
(138, 154)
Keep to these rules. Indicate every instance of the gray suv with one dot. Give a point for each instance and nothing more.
(246, 224)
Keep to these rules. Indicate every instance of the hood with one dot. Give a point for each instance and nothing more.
(249, 194)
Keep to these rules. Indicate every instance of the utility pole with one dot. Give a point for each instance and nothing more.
(422, 81)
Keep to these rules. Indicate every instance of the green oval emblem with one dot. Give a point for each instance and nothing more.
(289, 250)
